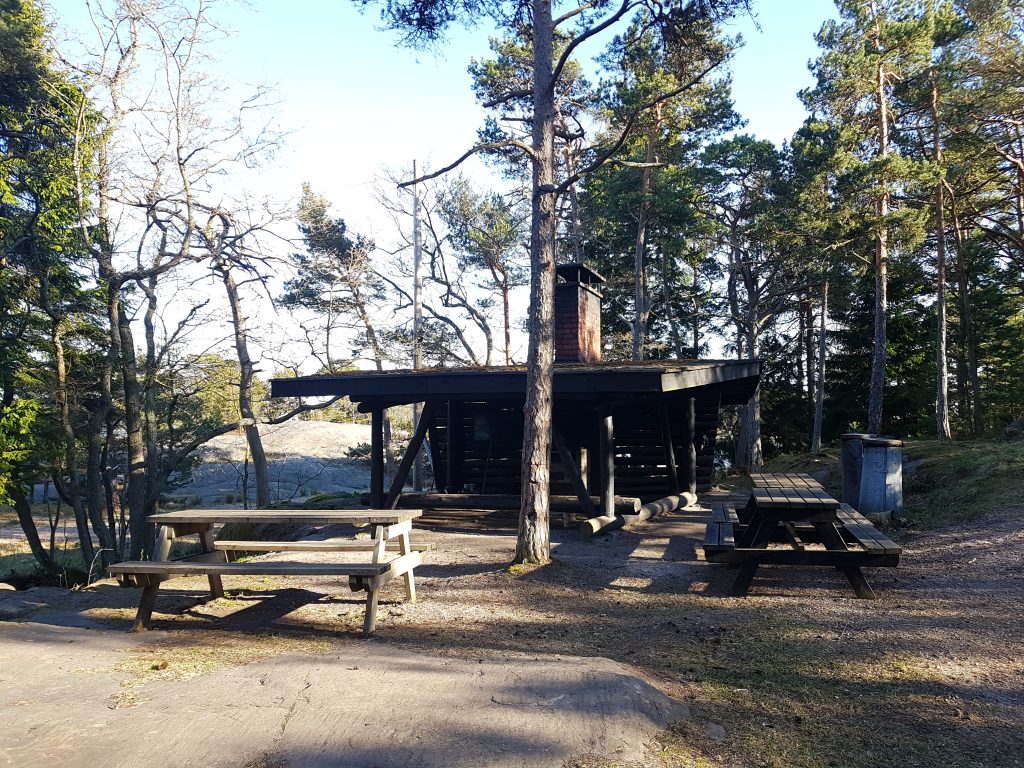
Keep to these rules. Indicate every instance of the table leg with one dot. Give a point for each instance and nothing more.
(206, 542)
(757, 536)
(404, 548)
(161, 551)
(833, 542)
(379, 544)
(370, 619)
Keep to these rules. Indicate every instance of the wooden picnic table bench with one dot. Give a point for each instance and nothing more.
(812, 528)
(389, 532)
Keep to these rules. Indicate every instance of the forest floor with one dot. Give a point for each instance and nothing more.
(799, 674)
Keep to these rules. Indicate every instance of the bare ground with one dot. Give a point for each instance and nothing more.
(800, 673)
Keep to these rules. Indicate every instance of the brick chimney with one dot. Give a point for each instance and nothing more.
(577, 314)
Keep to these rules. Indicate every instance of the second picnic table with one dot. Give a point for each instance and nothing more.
(797, 511)
(389, 530)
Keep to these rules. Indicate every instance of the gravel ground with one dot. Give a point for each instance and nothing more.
(799, 673)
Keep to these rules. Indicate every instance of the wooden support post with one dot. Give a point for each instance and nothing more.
(377, 458)
(206, 542)
(410, 458)
(573, 472)
(606, 461)
(690, 474)
(454, 446)
(670, 451)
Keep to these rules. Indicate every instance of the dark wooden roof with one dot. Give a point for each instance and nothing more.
(736, 379)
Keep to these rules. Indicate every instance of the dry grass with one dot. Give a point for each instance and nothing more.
(192, 653)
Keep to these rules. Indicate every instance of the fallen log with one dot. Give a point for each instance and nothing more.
(624, 505)
(606, 524)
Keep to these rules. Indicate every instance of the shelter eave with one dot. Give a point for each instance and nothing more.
(691, 378)
(603, 381)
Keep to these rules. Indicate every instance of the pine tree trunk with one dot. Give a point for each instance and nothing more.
(942, 430)
(642, 301)
(878, 357)
(801, 351)
(673, 323)
(695, 296)
(809, 351)
(976, 416)
(819, 394)
(750, 457)
(533, 540)
(506, 320)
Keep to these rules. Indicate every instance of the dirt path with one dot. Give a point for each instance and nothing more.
(798, 674)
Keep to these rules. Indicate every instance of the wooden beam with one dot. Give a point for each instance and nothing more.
(377, 458)
(670, 451)
(690, 473)
(411, 454)
(573, 472)
(606, 461)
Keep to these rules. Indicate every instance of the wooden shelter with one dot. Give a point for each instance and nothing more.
(645, 430)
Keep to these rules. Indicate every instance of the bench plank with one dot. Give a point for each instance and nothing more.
(191, 568)
(327, 545)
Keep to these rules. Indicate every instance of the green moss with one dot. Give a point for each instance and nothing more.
(950, 481)
(958, 481)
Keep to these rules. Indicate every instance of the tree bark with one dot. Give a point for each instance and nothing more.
(809, 356)
(942, 430)
(136, 494)
(750, 457)
(74, 497)
(533, 541)
(876, 392)
(24, 511)
(819, 394)
(976, 416)
(673, 323)
(642, 300)
(695, 297)
(246, 373)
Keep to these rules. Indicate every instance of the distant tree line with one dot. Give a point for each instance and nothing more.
(874, 262)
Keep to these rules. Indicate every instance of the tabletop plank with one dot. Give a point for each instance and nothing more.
(794, 498)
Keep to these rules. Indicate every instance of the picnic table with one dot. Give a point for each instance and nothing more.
(812, 528)
(784, 480)
(389, 532)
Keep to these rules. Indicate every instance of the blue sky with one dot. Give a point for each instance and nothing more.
(352, 102)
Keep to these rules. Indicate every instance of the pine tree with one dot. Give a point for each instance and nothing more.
(866, 52)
